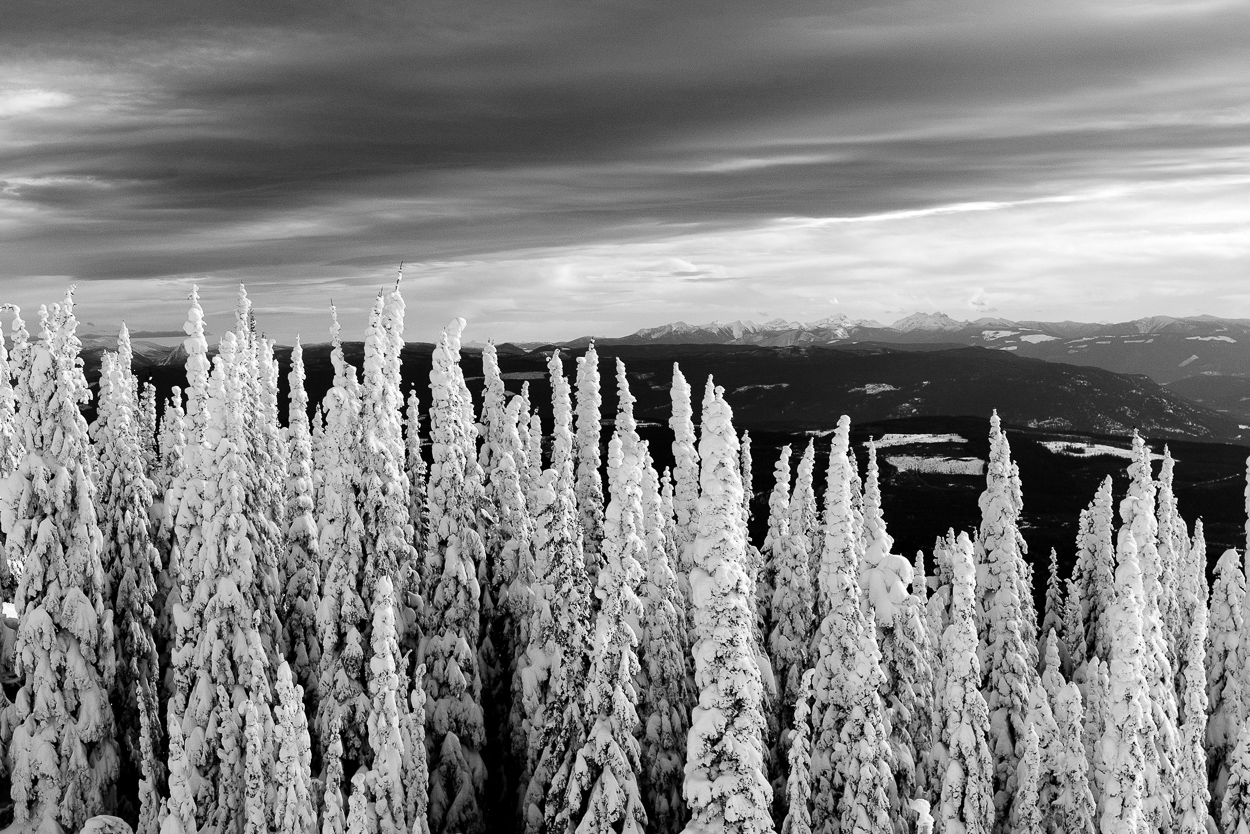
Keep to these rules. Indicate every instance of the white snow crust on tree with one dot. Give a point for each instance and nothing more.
(685, 478)
(1225, 695)
(416, 772)
(333, 817)
(1128, 736)
(124, 502)
(179, 810)
(293, 811)
(1235, 808)
(966, 790)
(589, 487)
(725, 784)
(11, 454)
(1073, 810)
(415, 467)
(1052, 612)
(145, 421)
(62, 754)
(1139, 519)
(604, 795)
(342, 615)
(798, 818)
(385, 701)
(1026, 805)
(229, 665)
(805, 521)
(455, 725)
(851, 758)
(302, 569)
(1008, 655)
(1193, 795)
(664, 691)
(1173, 541)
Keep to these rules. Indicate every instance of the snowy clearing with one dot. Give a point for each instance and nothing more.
(991, 335)
(761, 386)
(1228, 339)
(873, 388)
(1079, 449)
(887, 440)
(1193, 358)
(937, 466)
(1035, 338)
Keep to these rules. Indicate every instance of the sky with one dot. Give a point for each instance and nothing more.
(550, 170)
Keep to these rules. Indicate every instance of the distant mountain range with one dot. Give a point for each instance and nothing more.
(1204, 359)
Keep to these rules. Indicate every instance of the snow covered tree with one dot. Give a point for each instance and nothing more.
(790, 642)
(385, 741)
(1073, 810)
(1010, 659)
(1052, 616)
(851, 758)
(558, 643)
(685, 479)
(589, 485)
(229, 663)
(145, 419)
(302, 569)
(1099, 590)
(1224, 681)
(966, 795)
(603, 792)
(11, 453)
(416, 770)
(415, 467)
(333, 819)
(1173, 541)
(124, 501)
(1128, 737)
(1026, 807)
(798, 818)
(292, 808)
(725, 785)
(179, 810)
(1193, 795)
(805, 521)
(63, 753)
(455, 723)
(664, 693)
(1235, 808)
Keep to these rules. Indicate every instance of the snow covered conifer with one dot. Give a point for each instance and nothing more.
(1193, 795)
(805, 521)
(293, 811)
(664, 693)
(1235, 808)
(1224, 680)
(455, 723)
(302, 595)
(798, 818)
(1010, 660)
(63, 753)
(11, 453)
(255, 777)
(179, 810)
(124, 499)
(1127, 741)
(1052, 616)
(589, 484)
(1073, 810)
(685, 478)
(415, 466)
(1026, 807)
(1173, 541)
(386, 775)
(966, 791)
(333, 820)
(1099, 592)
(725, 785)
(851, 758)
(603, 792)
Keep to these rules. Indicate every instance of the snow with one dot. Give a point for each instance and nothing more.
(1188, 361)
(1228, 339)
(1083, 449)
(937, 465)
(991, 335)
(872, 388)
(892, 439)
(1036, 338)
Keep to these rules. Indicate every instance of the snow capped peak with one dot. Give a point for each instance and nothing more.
(928, 321)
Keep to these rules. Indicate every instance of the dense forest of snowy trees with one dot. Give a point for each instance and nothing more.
(229, 625)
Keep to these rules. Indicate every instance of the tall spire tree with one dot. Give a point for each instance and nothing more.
(725, 784)
(11, 453)
(851, 758)
(805, 521)
(1224, 681)
(685, 479)
(1193, 796)
(302, 594)
(589, 485)
(63, 752)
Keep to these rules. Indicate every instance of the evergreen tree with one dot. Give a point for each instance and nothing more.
(1073, 810)
(1052, 617)
(302, 569)
(386, 769)
(145, 419)
(293, 811)
(455, 731)
(416, 769)
(333, 820)
(798, 818)
(1127, 741)
(589, 485)
(1173, 540)
(1235, 810)
(966, 796)
(179, 810)
(1026, 805)
(124, 501)
(805, 521)
(63, 753)
(1010, 658)
(415, 467)
(664, 692)
(603, 793)
(725, 784)
(11, 453)
(685, 480)
(1224, 681)
(1100, 590)
(851, 758)
(1193, 796)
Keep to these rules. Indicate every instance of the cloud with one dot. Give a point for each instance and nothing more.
(580, 147)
